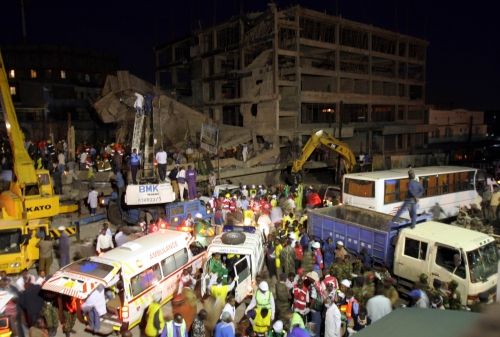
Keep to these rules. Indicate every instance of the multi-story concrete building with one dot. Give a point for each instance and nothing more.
(456, 126)
(285, 73)
(52, 85)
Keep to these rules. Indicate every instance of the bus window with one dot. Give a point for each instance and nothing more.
(430, 184)
(391, 191)
(360, 188)
(403, 188)
(145, 279)
(451, 182)
(443, 184)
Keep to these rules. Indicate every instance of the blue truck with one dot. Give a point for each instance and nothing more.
(441, 251)
(174, 213)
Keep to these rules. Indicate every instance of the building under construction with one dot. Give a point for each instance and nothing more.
(285, 72)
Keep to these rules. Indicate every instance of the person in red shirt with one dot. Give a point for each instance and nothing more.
(300, 298)
(299, 255)
(313, 200)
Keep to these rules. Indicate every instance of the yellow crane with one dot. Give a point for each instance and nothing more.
(322, 138)
(26, 207)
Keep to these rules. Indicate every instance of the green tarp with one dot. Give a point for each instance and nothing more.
(411, 322)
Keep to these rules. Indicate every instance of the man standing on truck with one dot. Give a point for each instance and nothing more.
(415, 191)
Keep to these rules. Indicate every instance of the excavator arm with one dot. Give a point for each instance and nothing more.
(321, 137)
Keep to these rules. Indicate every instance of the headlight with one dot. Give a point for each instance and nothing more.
(15, 265)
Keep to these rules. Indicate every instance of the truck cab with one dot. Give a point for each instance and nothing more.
(241, 250)
(448, 253)
(19, 244)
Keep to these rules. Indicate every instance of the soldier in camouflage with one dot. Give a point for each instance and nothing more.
(454, 298)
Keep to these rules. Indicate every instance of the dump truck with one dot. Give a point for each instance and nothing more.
(441, 251)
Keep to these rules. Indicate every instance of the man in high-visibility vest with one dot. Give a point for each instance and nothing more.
(154, 318)
(262, 321)
(263, 298)
(175, 328)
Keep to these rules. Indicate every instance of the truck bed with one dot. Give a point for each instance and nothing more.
(358, 228)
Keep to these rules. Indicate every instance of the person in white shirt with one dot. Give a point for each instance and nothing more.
(92, 200)
(24, 279)
(181, 181)
(104, 242)
(230, 307)
(161, 159)
(378, 306)
(95, 307)
(264, 224)
(333, 322)
(120, 237)
(41, 278)
(186, 281)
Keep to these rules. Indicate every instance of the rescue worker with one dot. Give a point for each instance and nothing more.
(300, 298)
(454, 298)
(318, 258)
(316, 298)
(390, 291)
(154, 317)
(191, 182)
(176, 327)
(352, 309)
(252, 192)
(340, 251)
(328, 252)
(263, 298)
(69, 308)
(262, 322)
(135, 163)
(220, 290)
(283, 297)
(215, 266)
(161, 160)
(415, 191)
(288, 257)
(277, 330)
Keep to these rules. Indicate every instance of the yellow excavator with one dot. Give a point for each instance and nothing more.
(26, 207)
(322, 138)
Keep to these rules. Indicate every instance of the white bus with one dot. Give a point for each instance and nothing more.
(136, 272)
(385, 191)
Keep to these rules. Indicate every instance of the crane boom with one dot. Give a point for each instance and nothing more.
(321, 137)
(23, 164)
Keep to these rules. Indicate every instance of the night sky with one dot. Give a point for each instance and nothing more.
(463, 60)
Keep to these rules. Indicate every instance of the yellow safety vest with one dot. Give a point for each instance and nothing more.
(277, 253)
(263, 300)
(219, 292)
(150, 330)
(261, 324)
(170, 328)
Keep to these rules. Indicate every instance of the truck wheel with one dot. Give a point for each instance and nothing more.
(233, 238)
(114, 215)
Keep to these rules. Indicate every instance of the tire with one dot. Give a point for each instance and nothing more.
(233, 238)
(114, 215)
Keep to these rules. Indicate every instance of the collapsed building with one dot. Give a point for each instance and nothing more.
(177, 127)
(285, 72)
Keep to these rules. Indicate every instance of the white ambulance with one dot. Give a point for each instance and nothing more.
(135, 272)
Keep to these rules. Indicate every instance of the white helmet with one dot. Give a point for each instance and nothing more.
(198, 216)
(263, 286)
(278, 326)
(316, 245)
(244, 187)
(253, 186)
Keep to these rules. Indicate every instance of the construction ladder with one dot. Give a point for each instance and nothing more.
(138, 126)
